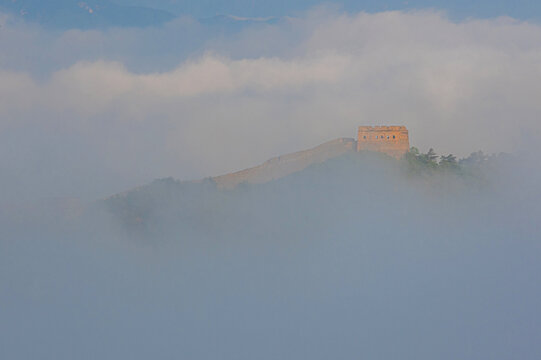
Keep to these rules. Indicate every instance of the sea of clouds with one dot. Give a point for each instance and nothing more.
(339, 261)
(346, 259)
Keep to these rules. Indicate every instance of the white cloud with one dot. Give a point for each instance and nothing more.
(459, 87)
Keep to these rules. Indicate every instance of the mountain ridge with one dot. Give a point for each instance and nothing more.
(89, 14)
(283, 165)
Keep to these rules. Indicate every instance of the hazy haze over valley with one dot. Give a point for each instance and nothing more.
(109, 250)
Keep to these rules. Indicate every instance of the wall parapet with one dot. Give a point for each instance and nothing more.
(392, 140)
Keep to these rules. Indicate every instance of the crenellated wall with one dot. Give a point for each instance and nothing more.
(391, 140)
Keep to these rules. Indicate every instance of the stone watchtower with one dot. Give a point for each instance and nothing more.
(391, 140)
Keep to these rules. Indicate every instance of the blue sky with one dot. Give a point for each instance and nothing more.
(71, 13)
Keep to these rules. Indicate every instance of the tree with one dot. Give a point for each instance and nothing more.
(448, 159)
(429, 159)
(431, 155)
(448, 162)
(475, 158)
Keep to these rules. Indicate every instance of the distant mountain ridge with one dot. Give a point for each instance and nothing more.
(461, 9)
(85, 14)
(88, 14)
(92, 14)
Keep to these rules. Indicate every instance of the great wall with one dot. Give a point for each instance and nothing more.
(391, 140)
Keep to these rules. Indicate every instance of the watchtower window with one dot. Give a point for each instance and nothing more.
(376, 136)
(394, 137)
(387, 137)
(364, 137)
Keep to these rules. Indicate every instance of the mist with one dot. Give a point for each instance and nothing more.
(353, 257)
(107, 251)
(117, 108)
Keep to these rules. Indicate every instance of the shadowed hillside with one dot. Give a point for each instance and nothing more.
(300, 184)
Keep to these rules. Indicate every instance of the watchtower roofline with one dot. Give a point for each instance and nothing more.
(392, 140)
(384, 128)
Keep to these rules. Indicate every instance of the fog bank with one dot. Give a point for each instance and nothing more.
(353, 257)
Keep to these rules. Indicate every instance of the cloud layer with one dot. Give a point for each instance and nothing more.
(358, 256)
(96, 125)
